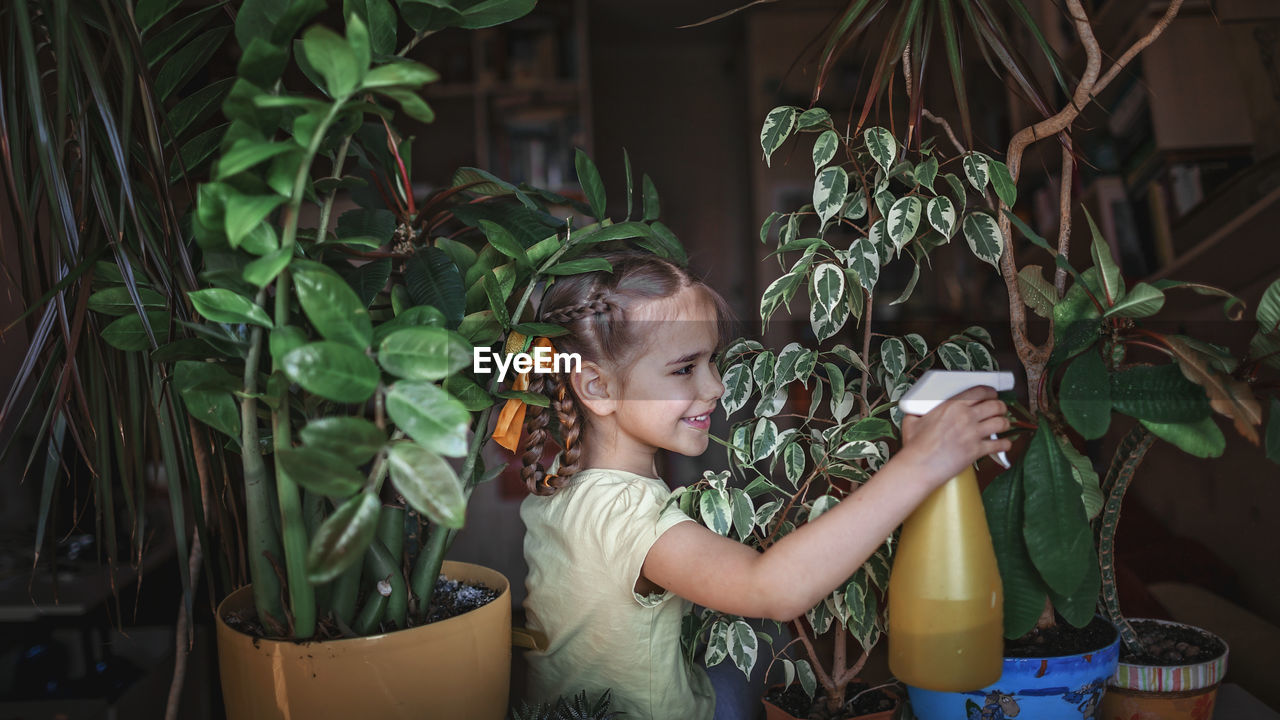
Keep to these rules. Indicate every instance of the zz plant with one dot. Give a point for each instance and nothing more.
(338, 354)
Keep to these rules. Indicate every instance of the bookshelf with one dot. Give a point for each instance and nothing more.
(514, 99)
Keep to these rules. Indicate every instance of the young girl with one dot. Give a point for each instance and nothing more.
(610, 572)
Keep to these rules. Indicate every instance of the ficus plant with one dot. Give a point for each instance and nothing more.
(794, 458)
(340, 349)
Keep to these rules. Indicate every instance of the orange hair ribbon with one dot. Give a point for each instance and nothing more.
(511, 419)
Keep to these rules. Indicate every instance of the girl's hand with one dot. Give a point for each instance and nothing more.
(956, 433)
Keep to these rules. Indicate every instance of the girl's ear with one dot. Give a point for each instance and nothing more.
(595, 388)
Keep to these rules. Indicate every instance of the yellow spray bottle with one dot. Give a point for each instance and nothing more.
(945, 600)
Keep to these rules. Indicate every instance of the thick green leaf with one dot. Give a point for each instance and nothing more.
(225, 306)
(246, 153)
(488, 13)
(581, 265)
(1024, 591)
(207, 390)
(115, 301)
(283, 340)
(1082, 470)
(332, 370)
(332, 57)
(246, 212)
(428, 483)
(592, 185)
(1159, 394)
(354, 439)
(378, 226)
(429, 415)
(505, 242)
(367, 280)
(1003, 183)
(399, 74)
(1080, 605)
(1077, 337)
(1059, 541)
(1201, 438)
(262, 271)
(1141, 301)
(331, 305)
(343, 538)
(1268, 313)
(380, 17)
(652, 204)
(182, 66)
(1112, 282)
(320, 471)
(1086, 396)
(424, 353)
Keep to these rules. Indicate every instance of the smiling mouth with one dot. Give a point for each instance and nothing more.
(699, 421)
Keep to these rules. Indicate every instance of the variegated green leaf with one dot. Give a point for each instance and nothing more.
(821, 505)
(716, 512)
(717, 644)
(778, 126)
(857, 450)
(942, 215)
(953, 356)
(779, 291)
(829, 311)
(878, 236)
(882, 146)
(893, 353)
(744, 512)
(762, 368)
(743, 646)
(983, 235)
(904, 220)
(742, 444)
(977, 170)
(855, 205)
(813, 118)
(737, 388)
(1082, 470)
(808, 681)
(884, 200)
(793, 463)
(829, 191)
(864, 259)
(824, 148)
(771, 402)
(980, 357)
(957, 190)
(764, 440)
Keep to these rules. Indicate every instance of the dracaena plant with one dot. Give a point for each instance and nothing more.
(353, 341)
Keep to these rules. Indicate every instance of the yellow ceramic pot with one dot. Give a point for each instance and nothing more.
(455, 668)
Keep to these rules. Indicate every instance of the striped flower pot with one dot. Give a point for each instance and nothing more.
(1165, 692)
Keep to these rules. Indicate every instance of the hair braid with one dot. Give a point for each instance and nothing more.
(570, 427)
(596, 304)
(536, 419)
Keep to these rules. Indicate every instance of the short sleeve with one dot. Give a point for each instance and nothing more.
(636, 519)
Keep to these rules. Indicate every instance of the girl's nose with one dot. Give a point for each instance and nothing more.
(713, 389)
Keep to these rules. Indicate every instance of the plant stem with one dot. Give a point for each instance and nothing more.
(261, 530)
(1124, 464)
(302, 596)
(431, 558)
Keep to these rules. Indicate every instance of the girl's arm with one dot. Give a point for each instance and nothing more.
(807, 564)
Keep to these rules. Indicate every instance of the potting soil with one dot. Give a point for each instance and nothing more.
(1061, 639)
(859, 702)
(1171, 645)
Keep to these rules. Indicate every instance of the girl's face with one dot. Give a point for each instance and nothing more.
(666, 397)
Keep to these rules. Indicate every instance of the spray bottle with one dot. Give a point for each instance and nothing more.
(945, 601)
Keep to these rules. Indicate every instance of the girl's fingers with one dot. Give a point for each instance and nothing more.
(990, 408)
(993, 425)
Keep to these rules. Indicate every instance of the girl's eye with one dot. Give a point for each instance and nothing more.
(684, 370)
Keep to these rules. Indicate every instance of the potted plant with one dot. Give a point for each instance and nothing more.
(335, 358)
(876, 198)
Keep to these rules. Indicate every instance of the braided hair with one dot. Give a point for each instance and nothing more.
(594, 308)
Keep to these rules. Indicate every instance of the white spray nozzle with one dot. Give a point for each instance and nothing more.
(937, 386)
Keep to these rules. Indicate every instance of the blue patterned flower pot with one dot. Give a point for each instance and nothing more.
(1068, 687)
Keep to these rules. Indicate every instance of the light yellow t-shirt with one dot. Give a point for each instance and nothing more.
(585, 546)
